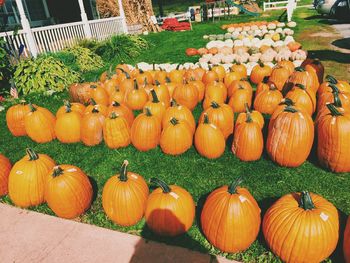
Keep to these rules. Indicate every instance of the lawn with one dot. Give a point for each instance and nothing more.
(265, 180)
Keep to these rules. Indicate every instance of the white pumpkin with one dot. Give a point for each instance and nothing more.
(297, 63)
(246, 28)
(263, 27)
(283, 55)
(254, 27)
(242, 58)
(228, 59)
(231, 29)
(279, 30)
(291, 24)
(255, 57)
(281, 24)
(238, 43)
(288, 39)
(271, 26)
(298, 55)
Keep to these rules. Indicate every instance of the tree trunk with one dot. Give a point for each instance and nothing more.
(136, 12)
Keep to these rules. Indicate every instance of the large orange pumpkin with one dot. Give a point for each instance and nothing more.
(325, 111)
(290, 123)
(259, 72)
(103, 109)
(162, 92)
(68, 191)
(210, 76)
(99, 94)
(347, 242)
(117, 95)
(230, 77)
(116, 131)
(91, 128)
(156, 106)
(145, 131)
(181, 113)
(268, 100)
(74, 106)
(279, 77)
(333, 148)
(28, 178)
(256, 116)
(238, 85)
(328, 97)
(239, 222)
(68, 126)
(177, 75)
(240, 68)
(303, 98)
(299, 76)
(302, 227)
(124, 197)
(186, 95)
(170, 209)
(123, 111)
(287, 64)
(137, 98)
(342, 85)
(213, 88)
(15, 119)
(200, 87)
(317, 65)
(239, 99)
(5, 168)
(220, 70)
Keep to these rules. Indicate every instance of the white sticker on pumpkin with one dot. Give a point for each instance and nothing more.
(71, 170)
(174, 195)
(242, 198)
(134, 176)
(324, 216)
(213, 126)
(19, 172)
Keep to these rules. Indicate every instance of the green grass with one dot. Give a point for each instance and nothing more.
(265, 180)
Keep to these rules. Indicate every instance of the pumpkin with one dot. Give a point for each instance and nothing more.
(143, 77)
(343, 86)
(103, 109)
(301, 227)
(155, 106)
(209, 139)
(27, 179)
(145, 131)
(170, 86)
(170, 209)
(68, 191)
(294, 46)
(80, 92)
(230, 77)
(15, 119)
(279, 77)
(117, 95)
(5, 168)
(163, 93)
(347, 242)
(299, 76)
(99, 94)
(91, 128)
(199, 73)
(325, 111)
(220, 70)
(259, 72)
(213, 50)
(239, 84)
(181, 113)
(160, 77)
(328, 97)
(186, 95)
(221, 115)
(191, 52)
(217, 97)
(290, 123)
(126, 85)
(256, 116)
(303, 98)
(262, 86)
(147, 87)
(176, 137)
(40, 124)
(68, 126)
(268, 100)
(176, 75)
(240, 68)
(124, 197)
(287, 64)
(122, 111)
(248, 141)
(315, 64)
(239, 99)
(74, 106)
(116, 131)
(210, 76)
(333, 148)
(200, 87)
(137, 98)
(121, 68)
(213, 88)
(314, 77)
(239, 222)
(110, 86)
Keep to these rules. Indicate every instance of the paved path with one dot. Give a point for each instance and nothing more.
(27, 236)
(343, 29)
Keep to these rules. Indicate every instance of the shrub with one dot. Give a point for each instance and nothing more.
(85, 59)
(45, 74)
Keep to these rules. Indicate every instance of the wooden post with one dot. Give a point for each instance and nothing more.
(84, 19)
(27, 30)
(122, 15)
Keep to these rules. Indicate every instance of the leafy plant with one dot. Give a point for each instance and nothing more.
(45, 74)
(86, 59)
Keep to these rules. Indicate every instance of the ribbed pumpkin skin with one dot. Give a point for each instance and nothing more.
(279, 77)
(328, 97)
(27, 180)
(99, 94)
(5, 168)
(123, 111)
(209, 140)
(200, 87)
(239, 98)
(248, 141)
(68, 126)
(75, 106)
(298, 235)
(239, 85)
(259, 72)
(303, 98)
(267, 101)
(124, 202)
(231, 222)
(93, 106)
(40, 125)
(137, 98)
(221, 115)
(333, 148)
(186, 95)
(347, 242)
(255, 115)
(116, 132)
(176, 137)
(70, 193)
(162, 94)
(286, 125)
(287, 64)
(170, 214)
(15, 119)
(91, 128)
(215, 89)
(118, 96)
(156, 106)
(181, 113)
(230, 77)
(145, 132)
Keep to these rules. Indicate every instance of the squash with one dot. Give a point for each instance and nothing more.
(268, 100)
(239, 84)
(241, 69)
(287, 64)
(122, 111)
(230, 77)
(80, 92)
(181, 113)
(91, 132)
(256, 116)
(176, 75)
(124, 197)
(5, 168)
(220, 70)
(325, 111)
(200, 87)
(15, 119)
(116, 131)
(191, 52)
(68, 126)
(292, 218)
(170, 209)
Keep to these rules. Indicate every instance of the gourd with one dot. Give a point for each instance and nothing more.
(116, 131)
(68, 126)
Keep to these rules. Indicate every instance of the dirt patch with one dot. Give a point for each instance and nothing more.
(323, 34)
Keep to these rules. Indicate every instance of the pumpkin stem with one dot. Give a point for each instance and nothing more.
(168, 80)
(287, 102)
(232, 189)
(246, 106)
(67, 103)
(299, 69)
(93, 86)
(249, 118)
(148, 112)
(334, 111)
(215, 105)
(141, 71)
(123, 175)
(331, 79)
(93, 102)
(157, 82)
(266, 79)
(154, 66)
(32, 155)
(31, 107)
(68, 108)
(136, 86)
(154, 96)
(166, 189)
(337, 102)
(334, 88)
(261, 64)
(173, 103)
(306, 201)
(145, 81)
(127, 75)
(206, 119)
(301, 86)
(113, 115)
(57, 171)
(290, 109)
(178, 66)
(115, 104)
(95, 110)
(122, 70)
(174, 121)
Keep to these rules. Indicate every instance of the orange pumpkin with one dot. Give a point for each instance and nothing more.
(124, 197)
(99, 94)
(80, 92)
(279, 77)
(116, 131)
(220, 70)
(294, 46)
(110, 85)
(181, 113)
(68, 126)
(91, 128)
(239, 84)
(239, 99)
(156, 106)
(347, 242)
(287, 64)
(68, 191)
(186, 95)
(160, 77)
(177, 75)
(262, 86)
(256, 116)
(303, 98)
(117, 95)
(268, 100)
(162, 92)
(170, 209)
(342, 85)
(5, 168)
(127, 84)
(200, 87)
(259, 72)
(213, 88)
(137, 98)
(122, 111)
(239, 222)
(15, 119)
(230, 77)
(171, 86)
(328, 97)
(317, 65)
(301, 227)
(299, 76)
(94, 106)
(74, 106)
(210, 76)
(241, 69)
(325, 111)
(143, 77)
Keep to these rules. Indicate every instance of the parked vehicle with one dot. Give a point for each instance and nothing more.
(336, 8)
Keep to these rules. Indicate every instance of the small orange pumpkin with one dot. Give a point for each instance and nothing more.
(156, 106)
(91, 128)
(186, 95)
(15, 119)
(122, 111)
(68, 126)
(137, 98)
(5, 168)
(256, 116)
(116, 131)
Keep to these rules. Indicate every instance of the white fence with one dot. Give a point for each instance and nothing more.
(276, 5)
(57, 37)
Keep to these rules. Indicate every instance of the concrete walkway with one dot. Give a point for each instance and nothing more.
(27, 236)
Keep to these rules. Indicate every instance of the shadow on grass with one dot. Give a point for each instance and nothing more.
(330, 55)
(94, 189)
(342, 43)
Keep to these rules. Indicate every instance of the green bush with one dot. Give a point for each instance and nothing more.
(45, 74)
(66, 58)
(85, 58)
(6, 69)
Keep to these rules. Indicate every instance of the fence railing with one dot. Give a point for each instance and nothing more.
(277, 5)
(17, 40)
(104, 28)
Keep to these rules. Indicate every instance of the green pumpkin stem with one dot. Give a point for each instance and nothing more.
(299, 69)
(115, 104)
(173, 103)
(168, 80)
(122, 70)
(334, 111)
(157, 82)
(93, 102)
(148, 112)
(290, 109)
(232, 188)
(57, 171)
(331, 79)
(123, 175)
(127, 75)
(334, 88)
(67, 103)
(287, 102)
(306, 201)
(266, 79)
(215, 105)
(247, 109)
(113, 115)
(166, 189)
(93, 86)
(31, 107)
(154, 96)
(300, 86)
(178, 66)
(154, 66)
(174, 121)
(95, 110)
(206, 119)
(261, 64)
(32, 154)
(136, 86)
(68, 108)
(337, 102)
(249, 118)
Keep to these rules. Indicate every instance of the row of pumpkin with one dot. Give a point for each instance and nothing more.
(299, 227)
(287, 94)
